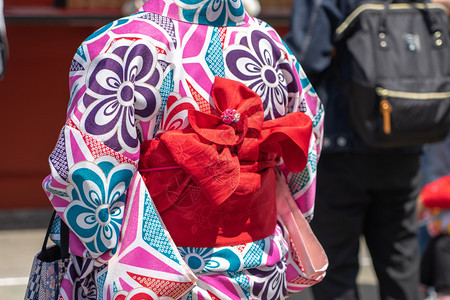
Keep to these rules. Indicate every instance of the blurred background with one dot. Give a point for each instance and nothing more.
(43, 36)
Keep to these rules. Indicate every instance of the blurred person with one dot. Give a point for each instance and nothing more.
(188, 122)
(435, 160)
(252, 7)
(435, 163)
(361, 191)
(131, 6)
(434, 211)
(3, 42)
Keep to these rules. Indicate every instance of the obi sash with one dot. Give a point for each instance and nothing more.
(214, 182)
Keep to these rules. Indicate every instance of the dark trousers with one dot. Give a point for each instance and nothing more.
(373, 195)
(435, 264)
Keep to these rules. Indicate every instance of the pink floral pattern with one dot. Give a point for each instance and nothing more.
(133, 80)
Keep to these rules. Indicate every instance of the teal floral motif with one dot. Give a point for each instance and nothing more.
(212, 12)
(211, 259)
(97, 193)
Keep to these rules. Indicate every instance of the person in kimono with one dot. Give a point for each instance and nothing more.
(187, 162)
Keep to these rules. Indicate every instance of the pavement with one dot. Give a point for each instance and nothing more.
(366, 280)
(22, 233)
(21, 236)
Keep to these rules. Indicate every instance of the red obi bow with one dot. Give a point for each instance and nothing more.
(224, 153)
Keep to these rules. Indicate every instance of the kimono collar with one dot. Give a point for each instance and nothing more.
(204, 12)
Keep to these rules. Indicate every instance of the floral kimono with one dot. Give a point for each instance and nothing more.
(211, 98)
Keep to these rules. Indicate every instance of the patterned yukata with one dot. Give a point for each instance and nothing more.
(132, 80)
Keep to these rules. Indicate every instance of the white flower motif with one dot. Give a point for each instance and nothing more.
(97, 193)
(260, 64)
(121, 88)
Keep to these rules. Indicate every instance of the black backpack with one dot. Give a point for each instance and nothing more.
(398, 88)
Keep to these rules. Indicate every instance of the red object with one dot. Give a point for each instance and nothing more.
(214, 184)
(437, 193)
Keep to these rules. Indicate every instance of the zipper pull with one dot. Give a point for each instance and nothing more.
(386, 109)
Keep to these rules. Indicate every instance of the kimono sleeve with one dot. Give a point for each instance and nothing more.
(306, 100)
(113, 92)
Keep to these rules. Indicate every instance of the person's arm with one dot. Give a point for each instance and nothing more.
(304, 98)
(310, 37)
(303, 184)
(95, 159)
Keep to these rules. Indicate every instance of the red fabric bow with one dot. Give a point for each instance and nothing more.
(223, 159)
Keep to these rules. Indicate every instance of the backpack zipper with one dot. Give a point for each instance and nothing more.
(382, 92)
(386, 110)
(381, 6)
(386, 106)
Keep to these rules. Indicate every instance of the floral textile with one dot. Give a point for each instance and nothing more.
(226, 161)
(150, 73)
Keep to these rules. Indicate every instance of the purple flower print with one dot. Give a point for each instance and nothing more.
(122, 88)
(260, 64)
(269, 282)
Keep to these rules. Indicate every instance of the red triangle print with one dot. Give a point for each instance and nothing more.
(222, 34)
(202, 103)
(213, 297)
(98, 149)
(161, 287)
(161, 51)
(70, 123)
